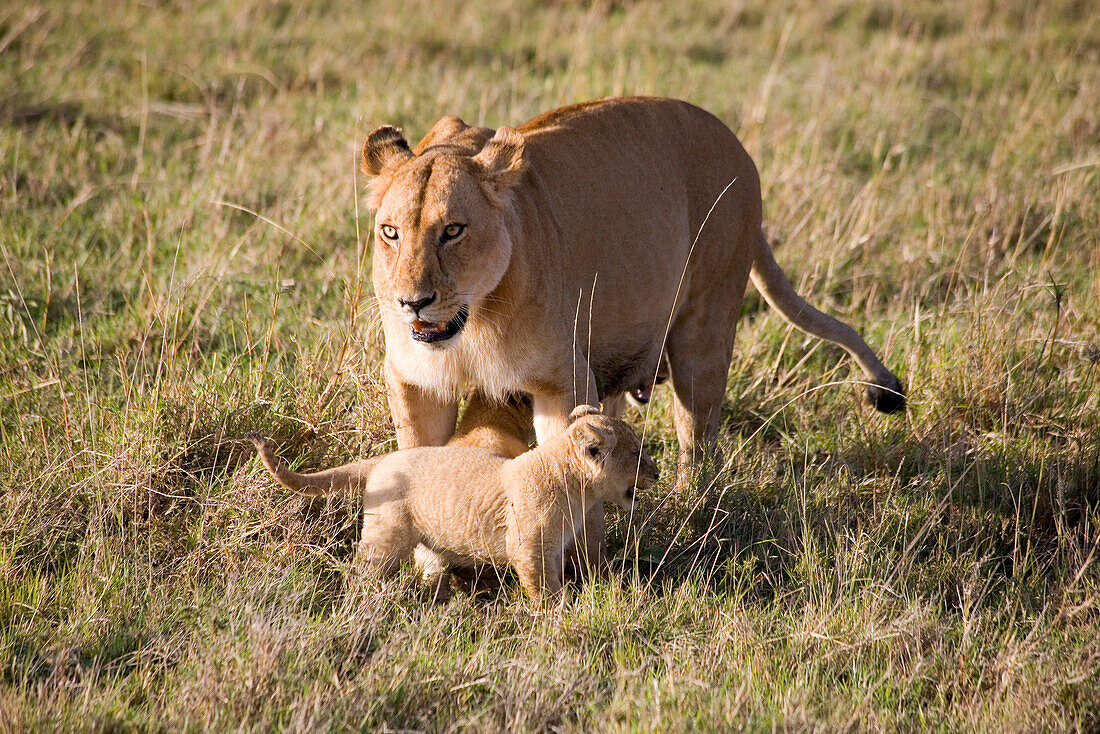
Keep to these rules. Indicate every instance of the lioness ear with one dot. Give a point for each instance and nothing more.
(385, 147)
(501, 159)
(445, 129)
(582, 410)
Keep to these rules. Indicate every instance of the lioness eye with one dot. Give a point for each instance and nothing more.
(388, 232)
(452, 231)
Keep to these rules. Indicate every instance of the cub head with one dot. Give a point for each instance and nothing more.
(613, 456)
(441, 244)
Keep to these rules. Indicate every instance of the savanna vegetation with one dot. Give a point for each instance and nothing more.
(185, 257)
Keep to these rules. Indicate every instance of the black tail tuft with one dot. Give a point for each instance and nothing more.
(256, 438)
(888, 398)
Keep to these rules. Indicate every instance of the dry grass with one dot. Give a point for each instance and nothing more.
(184, 258)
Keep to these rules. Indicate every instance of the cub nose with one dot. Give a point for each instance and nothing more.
(415, 304)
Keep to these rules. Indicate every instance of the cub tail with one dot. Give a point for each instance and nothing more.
(318, 483)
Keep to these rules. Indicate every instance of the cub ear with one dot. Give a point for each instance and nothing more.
(385, 147)
(594, 439)
(501, 160)
(582, 410)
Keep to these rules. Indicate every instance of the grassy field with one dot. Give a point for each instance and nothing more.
(185, 257)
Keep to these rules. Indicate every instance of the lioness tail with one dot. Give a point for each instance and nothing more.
(886, 393)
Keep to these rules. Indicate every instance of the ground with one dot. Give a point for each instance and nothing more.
(185, 257)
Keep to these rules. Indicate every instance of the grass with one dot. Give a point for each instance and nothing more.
(185, 258)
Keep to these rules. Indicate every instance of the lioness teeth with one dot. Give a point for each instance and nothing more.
(428, 326)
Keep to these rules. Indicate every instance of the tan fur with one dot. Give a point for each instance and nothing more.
(466, 505)
(585, 234)
(502, 427)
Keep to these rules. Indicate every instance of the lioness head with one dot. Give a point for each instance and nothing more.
(614, 454)
(441, 242)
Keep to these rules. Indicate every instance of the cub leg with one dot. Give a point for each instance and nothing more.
(539, 569)
(418, 418)
(586, 552)
(388, 540)
(540, 577)
(551, 416)
(433, 571)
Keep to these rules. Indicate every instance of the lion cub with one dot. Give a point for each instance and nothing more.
(467, 505)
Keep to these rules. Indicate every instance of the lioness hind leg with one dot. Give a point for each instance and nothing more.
(700, 348)
(697, 413)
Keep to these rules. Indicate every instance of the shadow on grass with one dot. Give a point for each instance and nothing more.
(1016, 515)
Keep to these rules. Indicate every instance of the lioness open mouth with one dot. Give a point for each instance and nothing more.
(428, 332)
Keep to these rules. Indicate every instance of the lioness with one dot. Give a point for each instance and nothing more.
(466, 505)
(560, 259)
(501, 427)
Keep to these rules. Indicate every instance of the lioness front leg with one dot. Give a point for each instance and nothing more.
(587, 551)
(551, 414)
(553, 400)
(419, 418)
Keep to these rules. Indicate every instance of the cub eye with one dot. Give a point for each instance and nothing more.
(452, 231)
(388, 233)
(593, 451)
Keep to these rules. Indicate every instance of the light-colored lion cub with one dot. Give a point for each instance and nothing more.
(467, 505)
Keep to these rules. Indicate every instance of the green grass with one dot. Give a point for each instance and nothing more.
(185, 258)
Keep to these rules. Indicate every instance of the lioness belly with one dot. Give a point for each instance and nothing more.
(662, 213)
(625, 367)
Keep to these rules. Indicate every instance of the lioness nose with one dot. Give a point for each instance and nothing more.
(416, 304)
